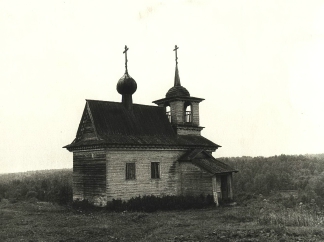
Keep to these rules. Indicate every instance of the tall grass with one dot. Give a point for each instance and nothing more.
(300, 215)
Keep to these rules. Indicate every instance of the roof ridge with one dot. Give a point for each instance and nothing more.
(137, 104)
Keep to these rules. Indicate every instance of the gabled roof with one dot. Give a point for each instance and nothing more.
(207, 162)
(143, 125)
(112, 118)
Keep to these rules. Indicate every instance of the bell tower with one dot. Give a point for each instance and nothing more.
(181, 109)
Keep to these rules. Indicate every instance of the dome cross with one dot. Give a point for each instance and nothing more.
(125, 52)
(176, 54)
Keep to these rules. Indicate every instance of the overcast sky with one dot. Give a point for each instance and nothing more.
(258, 64)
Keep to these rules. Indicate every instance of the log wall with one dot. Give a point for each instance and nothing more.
(89, 176)
(195, 181)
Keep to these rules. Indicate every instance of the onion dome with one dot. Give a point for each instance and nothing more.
(126, 85)
(178, 91)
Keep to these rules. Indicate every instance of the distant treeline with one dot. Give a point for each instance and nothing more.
(261, 175)
(48, 185)
(257, 175)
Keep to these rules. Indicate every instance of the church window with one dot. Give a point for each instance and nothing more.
(155, 170)
(168, 112)
(187, 113)
(130, 171)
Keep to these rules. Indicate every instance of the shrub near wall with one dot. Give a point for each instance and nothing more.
(151, 203)
(154, 203)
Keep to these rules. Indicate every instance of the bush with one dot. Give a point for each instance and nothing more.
(83, 205)
(244, 197)
(64, 194)
(153, 203)
(31, 194)
(289, 202)
(116, 205)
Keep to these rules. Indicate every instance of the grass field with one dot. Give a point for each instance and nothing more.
(258, 220)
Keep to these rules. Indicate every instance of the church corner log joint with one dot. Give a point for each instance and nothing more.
(124, 150)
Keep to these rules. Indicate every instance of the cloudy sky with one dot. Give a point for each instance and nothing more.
(258, 64)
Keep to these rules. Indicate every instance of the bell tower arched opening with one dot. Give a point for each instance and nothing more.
(187, 112)
(168, 111)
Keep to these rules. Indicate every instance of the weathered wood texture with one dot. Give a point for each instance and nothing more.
(195, 181)
(226, 186)
(86, 129)
(230, 186)
(218, 187)
(215, 194)
(89, 176)
(188, 130)
(119, 187)
(177, 112)
(195, 113)
(100, 176)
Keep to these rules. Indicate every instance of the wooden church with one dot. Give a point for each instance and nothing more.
(124, 150)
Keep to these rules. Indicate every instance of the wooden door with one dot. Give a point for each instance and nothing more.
(224, 187)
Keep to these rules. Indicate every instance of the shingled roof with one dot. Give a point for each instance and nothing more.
(143, 125)
(112, 118)
(207, 162)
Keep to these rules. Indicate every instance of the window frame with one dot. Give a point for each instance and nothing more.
(129, 175)
(155, 170)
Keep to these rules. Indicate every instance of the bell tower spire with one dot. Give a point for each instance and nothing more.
(176, 76)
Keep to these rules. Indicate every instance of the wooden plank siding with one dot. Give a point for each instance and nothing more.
(195, 113)
(195, 181)
(89, 176)
(177, 112)
(188, 130)
(143, 184)
(100, 176)
(215, 193)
